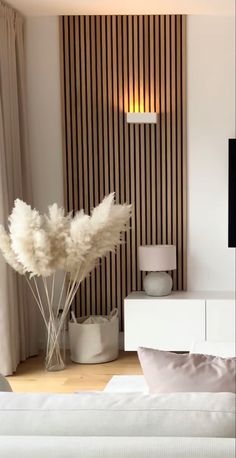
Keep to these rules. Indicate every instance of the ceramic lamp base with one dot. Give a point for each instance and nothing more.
(157, 284)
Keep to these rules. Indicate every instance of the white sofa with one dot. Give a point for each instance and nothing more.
(115, 425)
(119, 424)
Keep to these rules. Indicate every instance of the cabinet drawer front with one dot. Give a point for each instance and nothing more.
(220, 320)
(164, 324)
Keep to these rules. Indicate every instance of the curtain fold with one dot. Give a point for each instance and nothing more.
(18, 328)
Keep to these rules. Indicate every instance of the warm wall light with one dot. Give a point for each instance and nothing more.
(141, 118)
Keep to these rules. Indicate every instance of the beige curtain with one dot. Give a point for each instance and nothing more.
(18, 336)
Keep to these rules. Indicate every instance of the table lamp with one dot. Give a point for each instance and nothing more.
(157, 259)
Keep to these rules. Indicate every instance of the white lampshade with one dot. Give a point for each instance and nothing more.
(153, 258)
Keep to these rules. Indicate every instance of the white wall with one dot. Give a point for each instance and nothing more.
(44, 109)
(211, 121)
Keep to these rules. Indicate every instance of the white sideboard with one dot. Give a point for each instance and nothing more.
(220, 320)
(174, 322)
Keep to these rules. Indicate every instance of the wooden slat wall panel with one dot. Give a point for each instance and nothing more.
(111, 65)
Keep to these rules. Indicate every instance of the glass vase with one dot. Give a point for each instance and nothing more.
(55, 351)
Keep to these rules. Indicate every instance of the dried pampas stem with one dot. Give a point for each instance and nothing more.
(42, 245)
(61, 294)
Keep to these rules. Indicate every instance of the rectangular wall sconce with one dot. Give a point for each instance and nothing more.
(141, 118)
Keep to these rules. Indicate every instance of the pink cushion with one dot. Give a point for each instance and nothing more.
(167, 372)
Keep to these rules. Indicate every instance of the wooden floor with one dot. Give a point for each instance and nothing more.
(32, 377)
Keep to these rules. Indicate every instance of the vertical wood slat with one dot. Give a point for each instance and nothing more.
(96, 305)
(142, 215)
(111, 147)
(136, 52)
(173, 139)
(107, 286)
(168, 131)
(158, 170)
(121, 149)
(90, 142)
(153, 108)
(102, 284)
(147, 129)
(126, 147)
(184, 150)
(163, 115)
(85, 152)
(179, 155)
(111, 65)
(131, 147)
(117, 271)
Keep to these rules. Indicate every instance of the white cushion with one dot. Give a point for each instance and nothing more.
(4, 385)
(108, 414)
(221, 349)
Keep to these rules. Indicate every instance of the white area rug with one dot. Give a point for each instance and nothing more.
(127, 384)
